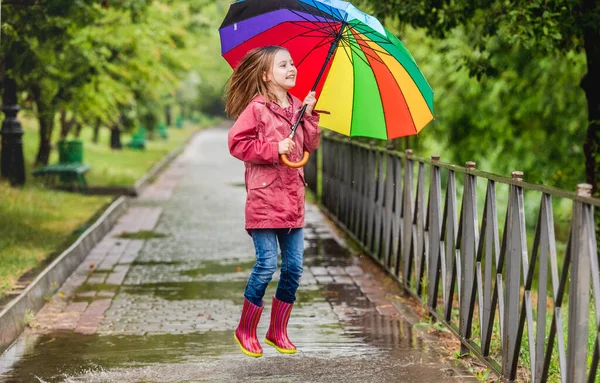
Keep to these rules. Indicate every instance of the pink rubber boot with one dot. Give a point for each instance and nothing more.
(277, 333)
(245, 335)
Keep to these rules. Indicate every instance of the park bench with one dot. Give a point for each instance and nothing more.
(70, 170)
(68, 174)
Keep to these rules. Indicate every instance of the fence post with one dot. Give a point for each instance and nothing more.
(434, 228)
(515, 248)
(579, 291)
(407, 219)
(468, 247)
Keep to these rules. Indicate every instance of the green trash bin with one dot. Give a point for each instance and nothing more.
(70, 152)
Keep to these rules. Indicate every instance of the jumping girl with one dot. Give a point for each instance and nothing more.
(264, 110)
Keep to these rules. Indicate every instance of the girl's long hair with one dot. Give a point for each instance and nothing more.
(247, 81)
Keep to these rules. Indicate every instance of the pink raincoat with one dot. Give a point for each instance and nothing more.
(275, 197)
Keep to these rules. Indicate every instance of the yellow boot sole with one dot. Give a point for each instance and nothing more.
(281, 350)
(252, 354)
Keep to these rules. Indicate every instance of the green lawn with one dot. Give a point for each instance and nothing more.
(36, 222)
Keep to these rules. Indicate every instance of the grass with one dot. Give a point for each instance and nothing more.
(36, 222)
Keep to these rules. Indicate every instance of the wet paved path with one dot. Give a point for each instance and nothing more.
(164, 309)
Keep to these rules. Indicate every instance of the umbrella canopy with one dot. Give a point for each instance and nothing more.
(363, 75)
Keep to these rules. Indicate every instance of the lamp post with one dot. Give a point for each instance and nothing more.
(12, 162)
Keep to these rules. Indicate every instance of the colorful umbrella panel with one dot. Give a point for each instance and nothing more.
(370, 85)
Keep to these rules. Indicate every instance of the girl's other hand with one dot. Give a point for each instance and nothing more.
(286, 146)
(310, 101)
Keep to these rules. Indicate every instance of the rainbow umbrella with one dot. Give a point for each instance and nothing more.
(364, 77)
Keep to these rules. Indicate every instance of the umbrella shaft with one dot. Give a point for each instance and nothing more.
(334, 45)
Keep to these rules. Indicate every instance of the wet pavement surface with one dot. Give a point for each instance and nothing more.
(165, 309)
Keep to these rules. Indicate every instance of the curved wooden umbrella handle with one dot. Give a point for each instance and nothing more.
(299, 164)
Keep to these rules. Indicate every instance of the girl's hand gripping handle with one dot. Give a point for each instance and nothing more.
(285, 147)
(309, 103)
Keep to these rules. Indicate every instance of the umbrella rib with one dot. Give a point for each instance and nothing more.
(336, 11)
(326, 21)
(315, 22)
(325, 17)
(332, 10)
(346, 52)
(382, 39)
(347, 42)
(374, 57)
(301, 24)
(304, 34)
(332, 29)
(368, 46)
(355, 50)
(322, 43)
(371, 32)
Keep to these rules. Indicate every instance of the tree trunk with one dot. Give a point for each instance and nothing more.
(115, 138)
(66, 125)
(96, 135)
(168, 115)
(46, 119)
(78, 128)
(589, 83)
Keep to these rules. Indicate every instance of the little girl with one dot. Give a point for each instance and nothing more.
(258, 97)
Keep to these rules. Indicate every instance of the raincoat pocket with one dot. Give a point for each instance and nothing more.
(262, 180)
(264, 203)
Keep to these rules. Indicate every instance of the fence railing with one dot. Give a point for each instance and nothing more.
(529, 315)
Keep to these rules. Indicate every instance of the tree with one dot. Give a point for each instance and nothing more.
(40, 37)
(89, 58)
(540, 27)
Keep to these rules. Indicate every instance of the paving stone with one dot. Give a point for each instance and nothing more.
(77, 307)
(324, 279)
(343, 279)
(319, 271)
(96, 279)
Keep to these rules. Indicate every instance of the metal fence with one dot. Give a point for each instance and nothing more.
(529, 315)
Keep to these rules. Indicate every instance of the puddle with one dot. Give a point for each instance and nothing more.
(219, 268)
(143, 235)
(60, 355)
(188, 290)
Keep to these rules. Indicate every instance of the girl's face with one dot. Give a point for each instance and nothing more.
(283, 74)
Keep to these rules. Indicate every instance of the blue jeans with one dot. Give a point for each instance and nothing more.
(292, 256)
